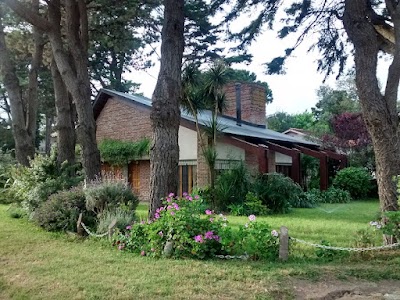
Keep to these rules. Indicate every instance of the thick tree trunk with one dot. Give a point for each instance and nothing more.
(379, 111)
(24, 140)
(65, 125)
(47, 144)
(165, 114)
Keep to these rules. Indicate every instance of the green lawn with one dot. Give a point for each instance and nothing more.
(35, 264)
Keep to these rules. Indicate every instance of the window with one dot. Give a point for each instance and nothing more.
(187, 178)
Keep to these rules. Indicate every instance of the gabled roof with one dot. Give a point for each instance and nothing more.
(228, 125)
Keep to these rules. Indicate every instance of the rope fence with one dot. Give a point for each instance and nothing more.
(284, 239)
(81, 228)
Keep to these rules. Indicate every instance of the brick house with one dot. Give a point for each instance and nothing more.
(244, 138)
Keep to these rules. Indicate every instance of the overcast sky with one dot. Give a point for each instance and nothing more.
(293, 92)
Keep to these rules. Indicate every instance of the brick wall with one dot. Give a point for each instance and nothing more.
(203, 174)
(122, 121)
(252, 97)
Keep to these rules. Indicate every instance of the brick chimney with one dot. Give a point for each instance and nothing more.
(245, 102)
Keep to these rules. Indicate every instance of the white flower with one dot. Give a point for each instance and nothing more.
(373, 223)
(274, 233)
(224, 219)
(246, 225)
(378, 226)
(224, 224)
(221, 215)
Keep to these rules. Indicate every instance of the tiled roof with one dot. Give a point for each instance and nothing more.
(228, 125)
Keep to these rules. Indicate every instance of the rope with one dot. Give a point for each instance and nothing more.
(344, 248)
(243, 257)
(91, 233)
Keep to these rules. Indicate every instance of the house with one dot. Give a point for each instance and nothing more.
(244, 137)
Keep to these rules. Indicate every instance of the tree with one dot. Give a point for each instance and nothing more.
(69, 42)
(117, 44)
(23, 110)
(165, 113)
(282, 121)
(371, 27)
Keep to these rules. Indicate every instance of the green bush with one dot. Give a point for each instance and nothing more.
(34, 184)
(331, 195)
(232, 186)
(181, 228)
(251, 206)
(307, 200)
(277, 192)
(354, 180)
(6, 163)
(61, 211)
(122, 216)
(102, 196)
(15, 211)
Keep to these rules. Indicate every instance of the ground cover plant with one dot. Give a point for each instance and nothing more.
(43, 265)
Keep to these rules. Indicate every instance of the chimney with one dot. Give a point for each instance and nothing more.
(245, 102)
(238, 104)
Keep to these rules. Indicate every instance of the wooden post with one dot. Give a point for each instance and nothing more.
(111, 228)
(284, 244)
(79, 228)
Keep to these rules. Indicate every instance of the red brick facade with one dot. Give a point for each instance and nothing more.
(252, 97)
(120, 120)
(123, 121)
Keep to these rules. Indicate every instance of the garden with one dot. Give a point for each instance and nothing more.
(192, 248)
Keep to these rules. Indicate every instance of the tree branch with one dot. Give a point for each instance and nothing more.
(28, 15)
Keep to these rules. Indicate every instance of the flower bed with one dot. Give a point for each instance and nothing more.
(185, 228)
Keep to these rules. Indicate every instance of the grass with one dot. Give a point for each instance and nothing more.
(35, 264)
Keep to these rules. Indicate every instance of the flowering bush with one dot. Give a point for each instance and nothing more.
(185, 228)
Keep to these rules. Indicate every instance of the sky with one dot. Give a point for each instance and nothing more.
(293, 92)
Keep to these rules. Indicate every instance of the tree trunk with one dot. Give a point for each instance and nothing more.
(165, 114)
(379, 111)
(65, 125)
(76, 78)
(24, 140)
(47, 144)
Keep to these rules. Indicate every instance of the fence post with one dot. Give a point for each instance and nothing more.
(284, 244)
(79, 228)
(111, 228)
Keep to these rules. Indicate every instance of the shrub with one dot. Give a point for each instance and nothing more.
(251, 206)
(182, 228)
(123, 217)
(102, 196)
(354, 180)
(232, 186)
(15, 211)
(34, 184)
(179, 228)
(331, 195)
(255, 239)
(277, 192)
(61, 211)
(6, 163)
(308, 199)
(335, 195)
(392, 224)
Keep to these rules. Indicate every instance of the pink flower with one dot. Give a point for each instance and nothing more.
(169, 207)
(196, 197)
(217, 238)
(209, 235)
(129, 227)
(121, 247)
(208, 212)
(156, 216)
(184, 194)
(171, 195)
(252, 217)
(162, 208)
(169, 200)
(190, 198)
(211, 220)
(152, 249)
(161, 234)
(172, 213)
(274, 233)
(176, 206)
(198, 238)
(142, 253)
(142, 222)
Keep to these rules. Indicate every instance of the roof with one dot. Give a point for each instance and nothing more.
(228, 125)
